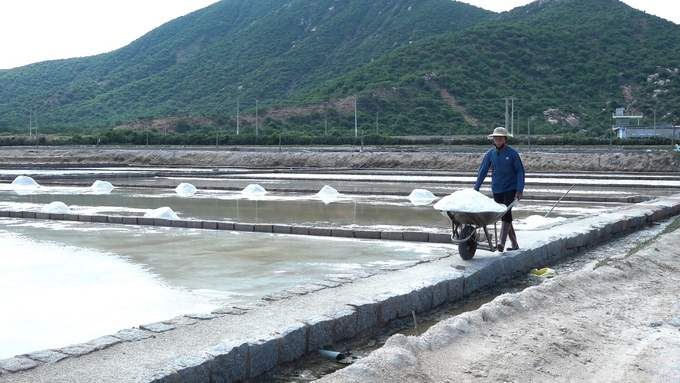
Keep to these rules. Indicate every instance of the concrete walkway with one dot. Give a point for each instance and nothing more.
(240, 343)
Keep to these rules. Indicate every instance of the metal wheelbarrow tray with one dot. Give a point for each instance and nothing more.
(470, 230)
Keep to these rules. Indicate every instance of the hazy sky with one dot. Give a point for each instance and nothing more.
(39, 30)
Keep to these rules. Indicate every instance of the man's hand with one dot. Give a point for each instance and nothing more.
(519, 195)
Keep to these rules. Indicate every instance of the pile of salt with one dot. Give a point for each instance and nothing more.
(469, 201)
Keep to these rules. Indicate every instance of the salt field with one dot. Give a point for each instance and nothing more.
(69, 282)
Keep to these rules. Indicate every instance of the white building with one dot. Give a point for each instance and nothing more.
(623, 127)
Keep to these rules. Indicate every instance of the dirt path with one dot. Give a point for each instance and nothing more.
(617, 323)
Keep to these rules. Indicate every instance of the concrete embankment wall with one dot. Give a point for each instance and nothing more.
(239, 226)
(314, 319)
(537, 160)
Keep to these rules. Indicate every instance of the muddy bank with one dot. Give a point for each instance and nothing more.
(535, 161)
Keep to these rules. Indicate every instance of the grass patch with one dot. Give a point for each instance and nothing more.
(673, 226)
(668, 229)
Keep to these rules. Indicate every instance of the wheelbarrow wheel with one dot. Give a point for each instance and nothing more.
(467, 249)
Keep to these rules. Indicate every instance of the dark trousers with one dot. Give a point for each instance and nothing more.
(506, 199)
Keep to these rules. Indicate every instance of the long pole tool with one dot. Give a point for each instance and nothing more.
(558, 201)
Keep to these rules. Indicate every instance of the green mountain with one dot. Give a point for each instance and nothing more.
(207, 61)
(431, 67)
(564, 64)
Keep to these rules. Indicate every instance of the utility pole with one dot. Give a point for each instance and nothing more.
(238, 105)
(529, 132)
(356, 126)
(32, 118)
(376, 122)
(257, 119)
(512, 117)
(506, 113)
(362, 141)
(33, 115)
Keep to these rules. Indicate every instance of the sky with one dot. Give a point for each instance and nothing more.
(40, 30)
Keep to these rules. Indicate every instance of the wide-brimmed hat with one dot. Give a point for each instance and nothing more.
(500, 132)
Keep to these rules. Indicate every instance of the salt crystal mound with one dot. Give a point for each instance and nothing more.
(328, 194)
(539, 222)
(421, 197)
(185, 190)
(469, 201)
(327, 191)
(162, 212)
(25, 182)
(101, 187)
(253, 190)
(56, 207)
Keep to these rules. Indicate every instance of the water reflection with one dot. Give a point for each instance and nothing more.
(286, 208)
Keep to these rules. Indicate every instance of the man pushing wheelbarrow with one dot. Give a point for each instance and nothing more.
(472, 213)
(507, 181)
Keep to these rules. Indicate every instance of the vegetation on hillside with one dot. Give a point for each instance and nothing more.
(233, 51)
(308, 69)
(580, 59)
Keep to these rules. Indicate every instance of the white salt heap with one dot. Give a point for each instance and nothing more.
(469, 201)
(162, 212)
(185, 190)
(421, 197)
(25, 182)
(327, 191)
(253, 190)
(101, 187)
(56, 207)
(328, 194)
(539, 222)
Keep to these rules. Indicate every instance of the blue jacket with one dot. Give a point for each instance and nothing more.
(507, 170)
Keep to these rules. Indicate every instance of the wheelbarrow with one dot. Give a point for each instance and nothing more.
(471, 230)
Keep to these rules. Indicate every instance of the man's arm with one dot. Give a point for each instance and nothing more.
(519, 169)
